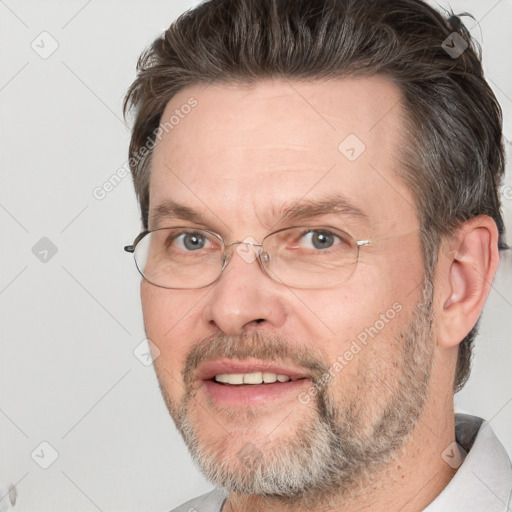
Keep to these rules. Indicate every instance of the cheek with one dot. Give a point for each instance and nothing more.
(341, 314)
(363, 318)
(154, 310)
(169, 325)
(366, 344)
(167, 312)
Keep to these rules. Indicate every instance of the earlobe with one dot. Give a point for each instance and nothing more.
(469, 269)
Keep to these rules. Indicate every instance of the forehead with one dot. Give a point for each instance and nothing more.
(243, 152)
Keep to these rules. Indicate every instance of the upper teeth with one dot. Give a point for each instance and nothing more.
(251, 378)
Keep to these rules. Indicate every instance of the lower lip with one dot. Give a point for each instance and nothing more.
(245, 395)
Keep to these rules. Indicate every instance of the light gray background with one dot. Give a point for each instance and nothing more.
(70, 325)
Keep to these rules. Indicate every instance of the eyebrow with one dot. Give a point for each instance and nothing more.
(170, 209)
(334, 204)
(300, 210)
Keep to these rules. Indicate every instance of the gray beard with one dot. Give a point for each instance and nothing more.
(338, 451)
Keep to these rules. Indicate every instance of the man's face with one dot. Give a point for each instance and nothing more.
(239, 158)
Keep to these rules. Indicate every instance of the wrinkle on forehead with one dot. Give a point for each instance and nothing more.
(298, 147)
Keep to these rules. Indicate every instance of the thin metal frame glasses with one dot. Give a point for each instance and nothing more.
(186, 257)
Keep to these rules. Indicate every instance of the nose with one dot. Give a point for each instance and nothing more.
(244, 296)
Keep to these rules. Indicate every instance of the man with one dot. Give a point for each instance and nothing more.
(318, 181)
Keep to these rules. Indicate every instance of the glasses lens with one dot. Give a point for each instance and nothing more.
(310, 257)
(179, 257)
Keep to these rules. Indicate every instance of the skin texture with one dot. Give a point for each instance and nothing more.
(239, 156)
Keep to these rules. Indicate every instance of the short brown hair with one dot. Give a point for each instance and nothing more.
(454, 159)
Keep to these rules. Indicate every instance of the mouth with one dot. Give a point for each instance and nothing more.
(236, 383)
(252, 379)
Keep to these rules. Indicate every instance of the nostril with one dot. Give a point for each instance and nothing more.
(259, 320)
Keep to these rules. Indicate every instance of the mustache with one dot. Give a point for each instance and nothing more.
(268, 348)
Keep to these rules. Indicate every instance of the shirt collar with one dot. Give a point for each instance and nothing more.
(484, 480)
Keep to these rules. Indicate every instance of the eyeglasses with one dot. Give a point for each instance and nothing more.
(184, 257)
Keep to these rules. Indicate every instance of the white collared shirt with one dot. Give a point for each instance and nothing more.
(483, 483)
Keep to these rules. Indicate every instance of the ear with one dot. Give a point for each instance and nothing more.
(466, 269)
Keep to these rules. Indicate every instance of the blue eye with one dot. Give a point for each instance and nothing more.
(320, 239)
(193, 241)
(190, 241)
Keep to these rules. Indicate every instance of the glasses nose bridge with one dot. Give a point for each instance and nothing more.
(248, 258)
(228, 251)
(248, 242)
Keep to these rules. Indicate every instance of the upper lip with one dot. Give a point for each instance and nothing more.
(208, 370)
